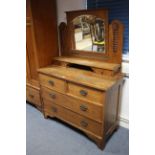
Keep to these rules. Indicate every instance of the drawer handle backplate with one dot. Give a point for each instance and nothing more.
(51, 82)
(83, 107)
(54, 109)
(52, 95)
(32, 96)
(84, 124)
(83, 92)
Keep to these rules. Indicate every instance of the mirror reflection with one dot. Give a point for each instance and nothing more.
(89, 33)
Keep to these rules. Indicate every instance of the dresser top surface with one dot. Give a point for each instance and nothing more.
(80, 77)
(89, 62)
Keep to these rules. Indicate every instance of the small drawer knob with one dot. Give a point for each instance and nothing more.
(54, 109)
(83, 92)
(52, 95)
(32, 96)
(51, 82)
(83, 107)
(84, 124)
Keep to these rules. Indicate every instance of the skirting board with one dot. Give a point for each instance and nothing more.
(124, 122)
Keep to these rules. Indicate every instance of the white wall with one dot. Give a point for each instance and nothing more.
(68, 5)
(124, 105)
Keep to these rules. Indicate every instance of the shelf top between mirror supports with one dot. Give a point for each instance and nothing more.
(89, 62)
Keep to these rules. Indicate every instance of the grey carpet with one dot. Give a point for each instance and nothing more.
(52, 137)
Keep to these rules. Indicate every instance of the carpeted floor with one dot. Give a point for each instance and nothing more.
(52, 137)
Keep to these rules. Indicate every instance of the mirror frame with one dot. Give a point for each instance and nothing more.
(114, 38)
(71, 15)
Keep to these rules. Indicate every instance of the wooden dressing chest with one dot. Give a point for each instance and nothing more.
(82, 87)
(84, 99)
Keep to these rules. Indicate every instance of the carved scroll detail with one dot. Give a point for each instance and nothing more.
(116, 30)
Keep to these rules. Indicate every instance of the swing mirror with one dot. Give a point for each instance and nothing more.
(89, 33)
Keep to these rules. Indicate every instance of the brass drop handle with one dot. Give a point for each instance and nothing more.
(52, 95)
(83, 107)
(84, 124)
(83, 92)
(51, 82)
(54, 109)
(32, 96)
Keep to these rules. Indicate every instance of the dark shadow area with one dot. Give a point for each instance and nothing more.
(87, 68)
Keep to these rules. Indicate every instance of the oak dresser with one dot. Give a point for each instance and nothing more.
(82, 86)
(84, 99)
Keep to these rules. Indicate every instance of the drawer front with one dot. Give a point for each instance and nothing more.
(72, 118)
(52, 83)
(84, 108)
(33, 96)
(86, 93)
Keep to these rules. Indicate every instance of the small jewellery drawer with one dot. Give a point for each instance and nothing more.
(72, 118)
(86, 93)
(33, 96)
(52, 83)
(84, 108)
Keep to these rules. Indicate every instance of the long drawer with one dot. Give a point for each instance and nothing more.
(84, 108)
(86, 93)
(72, 118)
(52, 83)
(33, 96)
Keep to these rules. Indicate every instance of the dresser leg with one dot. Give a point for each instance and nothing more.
(45, 116)
(100, 144)
(116, 128)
